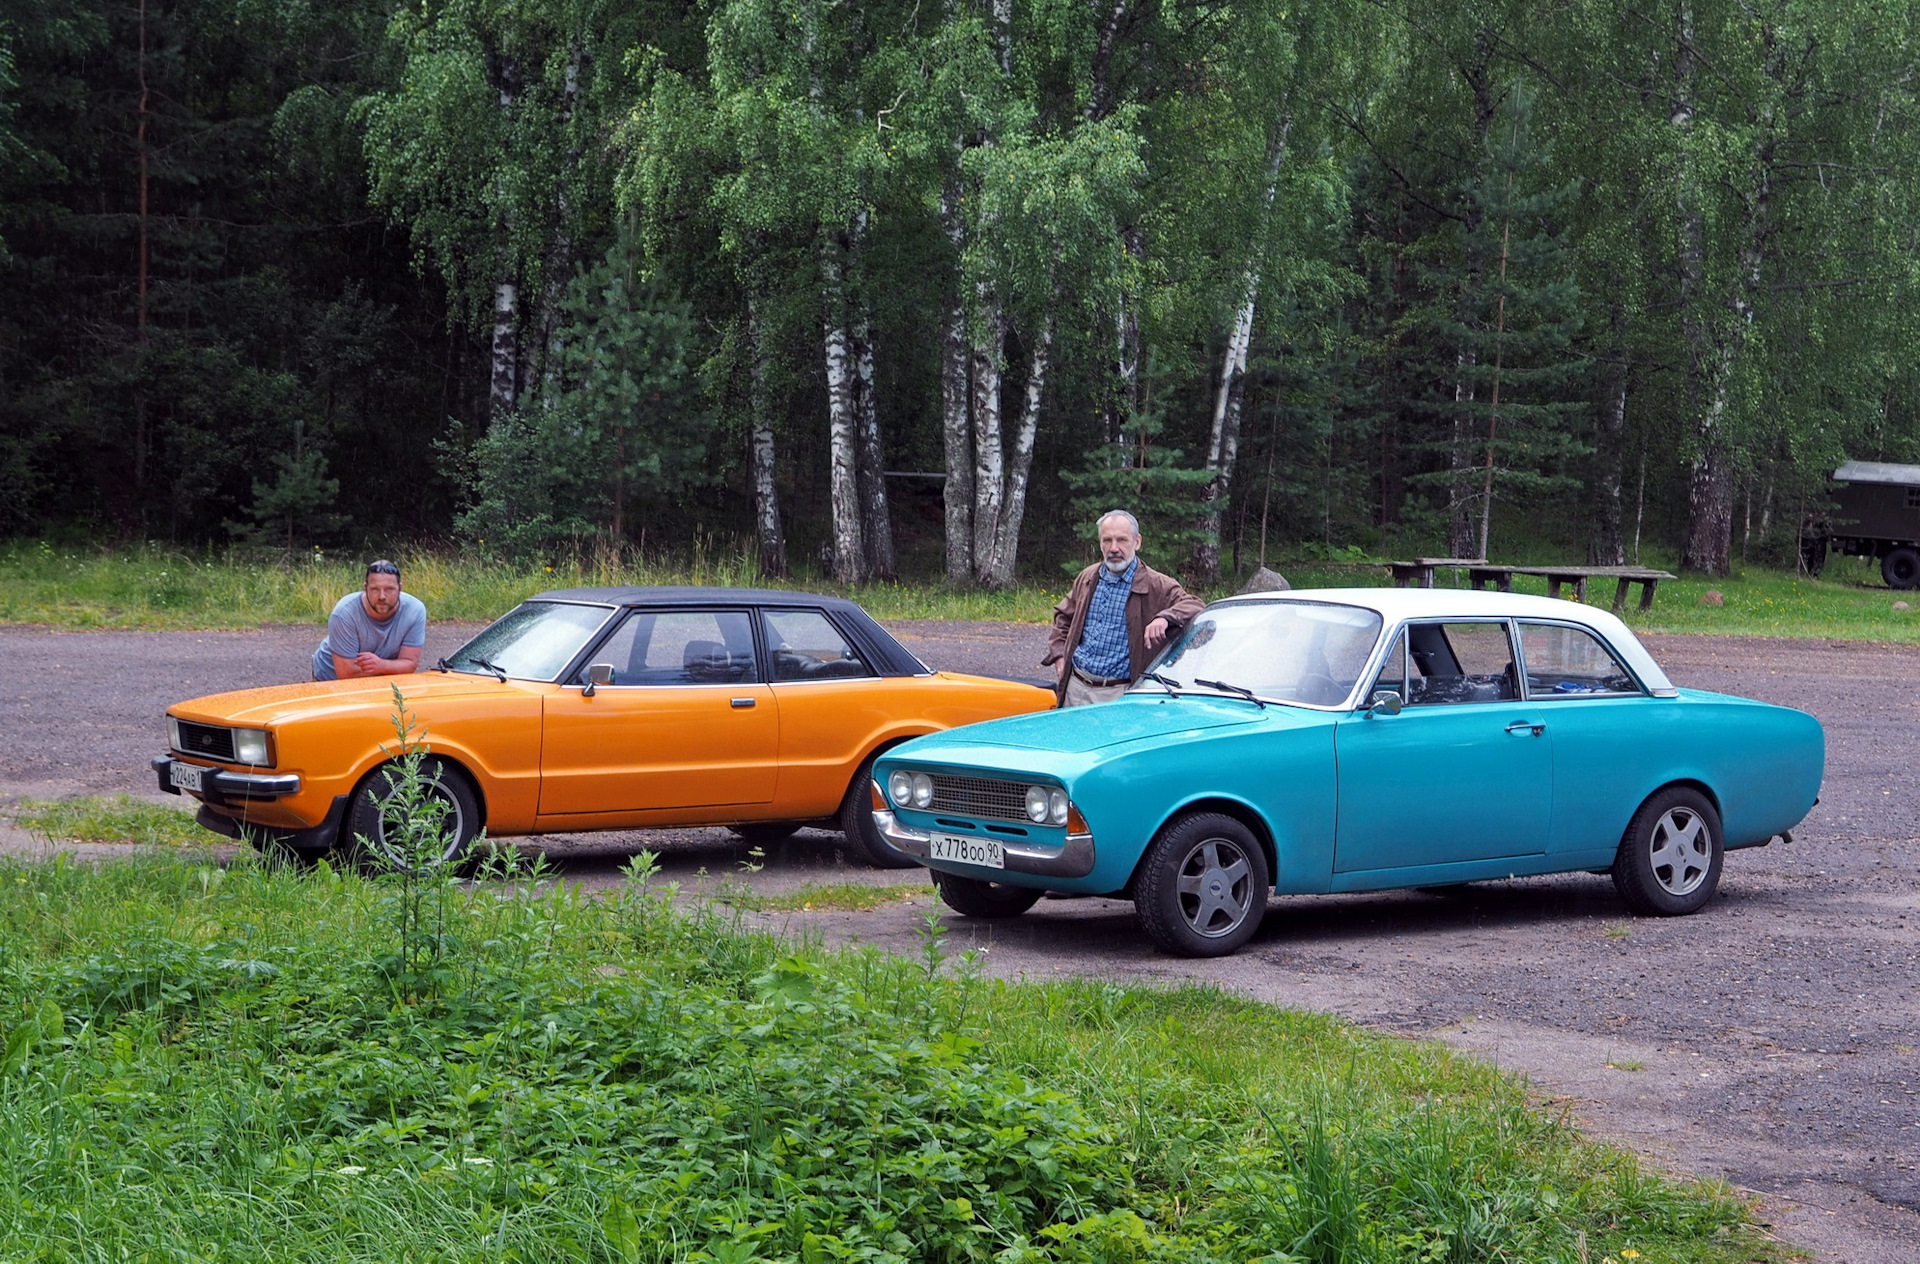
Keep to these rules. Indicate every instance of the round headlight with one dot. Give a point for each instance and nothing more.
(922, 790)
(1057, 806)
(1037, 804)
(900, 787)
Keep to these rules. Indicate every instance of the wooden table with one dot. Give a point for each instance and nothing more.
(1419, 572)
(1578, 576)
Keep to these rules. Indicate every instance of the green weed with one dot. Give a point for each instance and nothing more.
(103, 819)
(815, 897)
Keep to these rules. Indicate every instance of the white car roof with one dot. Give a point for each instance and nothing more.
(1878, 472)
(1397, 604)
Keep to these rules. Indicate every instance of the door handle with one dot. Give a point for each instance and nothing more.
(1526, 726)
(740, 704)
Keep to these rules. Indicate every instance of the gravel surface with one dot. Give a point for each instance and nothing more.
(1770, 1040)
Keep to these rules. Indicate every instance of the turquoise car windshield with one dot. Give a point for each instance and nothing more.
(1280, 651)
(533, 641)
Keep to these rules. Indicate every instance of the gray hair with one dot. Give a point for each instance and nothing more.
(1118, 513)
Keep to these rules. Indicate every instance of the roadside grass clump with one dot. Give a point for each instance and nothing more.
(221, 1064)
(818, 897)
(107, 819)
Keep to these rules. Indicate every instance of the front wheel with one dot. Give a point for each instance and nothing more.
(391, 828)
(856, 822)
(1203, 887)
(1901, 568)
(970, 897)
(1669, 860)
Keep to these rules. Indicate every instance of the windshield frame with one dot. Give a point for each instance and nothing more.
(572, 664)
(1367, 673)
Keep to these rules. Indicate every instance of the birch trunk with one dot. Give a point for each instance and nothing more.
(503, 390)
(1606, 546)
(956, 427)
(1006, 542)
(766, 493)
(876, 517)
(989, 462)
(849, 549)
(1460, 485)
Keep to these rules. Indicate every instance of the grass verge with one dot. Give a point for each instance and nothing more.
(814, 897)
(229, 1064)
(152, 588)
(104, 819)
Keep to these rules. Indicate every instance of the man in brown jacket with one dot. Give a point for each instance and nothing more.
(1118, 612)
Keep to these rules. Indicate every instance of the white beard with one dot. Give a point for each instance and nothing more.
(1118, 568)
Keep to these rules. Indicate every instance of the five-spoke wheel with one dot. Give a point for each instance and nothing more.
(1669, 860)
(1202, 888)
(381, 836)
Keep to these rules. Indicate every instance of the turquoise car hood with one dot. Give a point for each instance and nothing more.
(1077, 730)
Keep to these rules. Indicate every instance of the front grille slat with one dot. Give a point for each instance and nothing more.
(980, 796)
(206, 739)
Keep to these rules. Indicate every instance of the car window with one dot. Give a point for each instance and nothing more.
(680, 647)
(533, 641)
(1289, 651)
(1450, 663)
(1566, 662)
(1393, 671)
(806, 646)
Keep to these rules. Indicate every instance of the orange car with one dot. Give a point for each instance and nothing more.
(590, 709)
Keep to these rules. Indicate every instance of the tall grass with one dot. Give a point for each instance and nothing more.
(148, 586)
(210, 1064)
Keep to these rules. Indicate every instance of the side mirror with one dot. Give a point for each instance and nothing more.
(597, 674)
(1385, 702)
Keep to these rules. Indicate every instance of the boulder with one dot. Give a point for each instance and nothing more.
(1264, 580)
(1901, 605)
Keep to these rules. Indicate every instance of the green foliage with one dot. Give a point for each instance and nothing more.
(100, 819)
(611, 1079)
(1143, 476)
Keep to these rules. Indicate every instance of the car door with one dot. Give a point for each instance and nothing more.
(831, 701)
(1464, 772)
(686, 721)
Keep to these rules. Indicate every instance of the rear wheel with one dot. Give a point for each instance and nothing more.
(971, 897)
(856, 822)
(1669, 860)
(1203, 887)
(381, 839)
(1901, 568)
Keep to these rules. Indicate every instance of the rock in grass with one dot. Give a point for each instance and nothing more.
(1901, 605)
(1264, 580)
(1712, 597)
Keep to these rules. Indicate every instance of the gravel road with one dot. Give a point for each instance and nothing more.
(1770, 1040)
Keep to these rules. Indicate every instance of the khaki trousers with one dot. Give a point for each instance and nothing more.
(1082, 694)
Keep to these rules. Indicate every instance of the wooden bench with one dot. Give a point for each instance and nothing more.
(1419, 572)
(1578, 576)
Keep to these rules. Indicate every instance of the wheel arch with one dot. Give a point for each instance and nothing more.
(1239, 810)
(474, 782)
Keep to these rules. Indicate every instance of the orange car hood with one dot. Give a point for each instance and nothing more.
(277, 704)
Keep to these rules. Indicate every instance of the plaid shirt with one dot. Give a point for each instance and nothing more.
(1103, 642)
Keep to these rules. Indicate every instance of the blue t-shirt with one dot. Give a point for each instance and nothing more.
(350, 629)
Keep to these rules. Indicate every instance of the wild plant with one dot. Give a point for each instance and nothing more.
(413, 846)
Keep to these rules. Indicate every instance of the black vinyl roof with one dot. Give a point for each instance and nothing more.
(888, 656)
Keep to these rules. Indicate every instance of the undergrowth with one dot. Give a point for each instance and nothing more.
(107, 819)
(213, 1064)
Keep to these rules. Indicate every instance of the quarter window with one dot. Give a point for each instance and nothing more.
(1568, 662)
(806, 646)
(680, 647)
(1452, 663)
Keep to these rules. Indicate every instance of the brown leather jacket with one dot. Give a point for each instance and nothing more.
(1154, 596)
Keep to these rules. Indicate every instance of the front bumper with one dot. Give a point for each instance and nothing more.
(316, 838)
(1074, 860)
(217, 785)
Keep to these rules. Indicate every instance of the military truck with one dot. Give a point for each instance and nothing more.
(1876, 514)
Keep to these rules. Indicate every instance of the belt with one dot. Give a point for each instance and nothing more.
(1102, 682)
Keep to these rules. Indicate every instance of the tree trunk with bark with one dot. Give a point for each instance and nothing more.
(760, 455)
(849, 546)
(1006, 542)
(876, 517)
(989, 455)
(1606, 545)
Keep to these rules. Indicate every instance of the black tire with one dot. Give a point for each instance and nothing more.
(1203, 886)
(765, 833)
(856, 822)
(366, 833)
(1901, 568)
(1669, 860)
(971, 897)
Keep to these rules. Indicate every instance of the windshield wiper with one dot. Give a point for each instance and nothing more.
(1171, 686)
(490, 666)
(1242, 690)
(443, 666)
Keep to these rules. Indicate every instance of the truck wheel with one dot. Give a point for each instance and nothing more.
(1901, 568)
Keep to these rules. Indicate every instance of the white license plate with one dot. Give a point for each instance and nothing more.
(985, 852)
(185, 776)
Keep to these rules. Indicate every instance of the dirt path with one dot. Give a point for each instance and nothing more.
(1770, 1040)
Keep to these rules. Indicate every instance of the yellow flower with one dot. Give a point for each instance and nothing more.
(1629, 1254)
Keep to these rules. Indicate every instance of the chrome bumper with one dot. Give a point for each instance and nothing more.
(219, 784)
(1075, 860)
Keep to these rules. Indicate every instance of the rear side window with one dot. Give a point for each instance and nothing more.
(1453, 663)
(1567, 662)
(806, 646)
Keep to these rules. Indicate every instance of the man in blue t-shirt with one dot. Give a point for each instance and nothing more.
(377, 631)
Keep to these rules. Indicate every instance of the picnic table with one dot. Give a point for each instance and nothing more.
(1419, 573)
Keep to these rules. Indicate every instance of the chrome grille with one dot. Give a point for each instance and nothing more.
(206, 739)
(979, 796)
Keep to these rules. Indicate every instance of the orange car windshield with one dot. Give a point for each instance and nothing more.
(533, 641)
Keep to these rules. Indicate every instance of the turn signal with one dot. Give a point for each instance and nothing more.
(879, 798)
(1076, 824)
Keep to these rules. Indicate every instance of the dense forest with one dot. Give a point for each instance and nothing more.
(917, 286)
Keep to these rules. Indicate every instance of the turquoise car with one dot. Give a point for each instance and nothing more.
(1355, 740)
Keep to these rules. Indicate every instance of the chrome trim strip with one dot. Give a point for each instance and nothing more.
(1075, 860)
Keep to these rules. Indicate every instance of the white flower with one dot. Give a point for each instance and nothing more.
(477, 1161)
(350, 1170)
